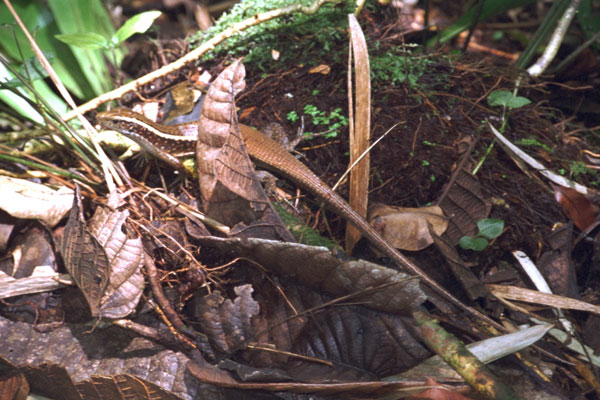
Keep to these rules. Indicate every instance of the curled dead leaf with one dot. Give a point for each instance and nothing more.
(104, 263)
(577, 206)
(407, 228)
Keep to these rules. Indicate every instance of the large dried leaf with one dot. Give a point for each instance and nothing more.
(53, 381)
(536, 297)
(210, 374)
(318, 268)
(84, 257)
(104, 263)
(25, 199)
(464, 205)
(226, 323)
(473, 286)
(358, 345)
(407, 228)
(107, 358)
(230, 190)
(577, 206)
(360, 127)
(30, 248)
(307, 324)
(126, 259)
(13, 384)
(556, 263)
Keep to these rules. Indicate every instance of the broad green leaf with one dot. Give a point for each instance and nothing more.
(32, 69)
(499, 98)
(23, 107)
(38, 20)
(85, 40)
(490, 228)
(74, 17)
(473, 243)
(505, 98)
(517, 101)
(137, 24)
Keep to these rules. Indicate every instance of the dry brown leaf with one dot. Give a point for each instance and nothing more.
(320, 69)
(407, 228)
(231, 192)
(125, 256)
(225, 322)
(533, 296)
(85, 259)
(13, 384)
(556, 264)
(55, 363)
(578, 207)
(103, 262)
(360, 127)
(465, 276)
(318, 268)
(464, 204)
(25, 199)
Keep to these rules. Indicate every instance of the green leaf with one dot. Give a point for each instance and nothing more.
(517, 101)
(490, 228)
(473, 243)
(137, 24)
(85, 40)
(38, 18)
(490, 9)
(505, 98)
(87, 66)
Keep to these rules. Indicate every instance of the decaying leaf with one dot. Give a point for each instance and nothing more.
(104, 263)
(125, 257)
(230, 190)
(536, 297)
(556, 263)
(577, 206)
(13, 384)
(70, 361)
(467, 279)
(30, 248)
(359, 127)
(226, 322)
(464, 205)
(25, 199)
(84, 257)
(407, 228)
(302, 338)
(320, 269)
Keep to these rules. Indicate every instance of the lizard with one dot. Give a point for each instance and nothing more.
(169, 142)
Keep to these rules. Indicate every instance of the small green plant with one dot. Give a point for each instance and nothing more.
(579, 168)
(489, 228)
(533, 142)
(293, 117)
(398, 67)
(332, 121)
(506, 99)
